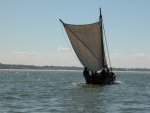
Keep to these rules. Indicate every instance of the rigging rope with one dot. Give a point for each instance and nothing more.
(107, 47)
(68, 45)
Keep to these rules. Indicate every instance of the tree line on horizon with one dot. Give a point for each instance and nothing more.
(19, 66)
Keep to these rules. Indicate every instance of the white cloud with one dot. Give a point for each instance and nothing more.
(65, 57)
(137, 60)
(135, 50)
(62, 57)
(140, 55)
(62, 49)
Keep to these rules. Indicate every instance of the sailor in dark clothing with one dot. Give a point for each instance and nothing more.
(92, 73)
(105, 72)
(85, 72)
(87, 76)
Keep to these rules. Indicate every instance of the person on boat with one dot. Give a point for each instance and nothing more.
(105, 72)
(96, 74)
(93, 74)
(87, 76)
(85, 72)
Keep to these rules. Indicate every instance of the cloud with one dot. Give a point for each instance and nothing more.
(66, 57)
(140, 55)
(135, 50)
(62, 57)
(137, 60)
(62, 49)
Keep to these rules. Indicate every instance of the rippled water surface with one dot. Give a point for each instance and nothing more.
(26, 91)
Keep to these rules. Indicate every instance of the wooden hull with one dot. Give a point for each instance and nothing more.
(100, 79)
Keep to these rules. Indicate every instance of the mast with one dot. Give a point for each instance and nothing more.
(103, 51)
(87, 41)
(102, 43)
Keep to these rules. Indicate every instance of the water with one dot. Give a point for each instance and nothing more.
(26, 91)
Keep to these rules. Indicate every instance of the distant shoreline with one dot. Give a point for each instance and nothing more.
(46, 68)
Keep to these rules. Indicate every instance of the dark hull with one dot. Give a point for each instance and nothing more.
(100, 79)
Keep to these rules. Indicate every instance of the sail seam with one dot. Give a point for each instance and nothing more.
(93, 40)
(86, 55)
(89, 44)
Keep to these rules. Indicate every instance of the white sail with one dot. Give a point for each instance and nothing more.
(88, 44)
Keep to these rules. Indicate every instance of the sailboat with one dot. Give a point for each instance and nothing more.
(88, 43)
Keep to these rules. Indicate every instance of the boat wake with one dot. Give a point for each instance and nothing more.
(78, 83)
(119, 82)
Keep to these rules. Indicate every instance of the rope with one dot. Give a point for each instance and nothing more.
(107, 47)
(68, 45)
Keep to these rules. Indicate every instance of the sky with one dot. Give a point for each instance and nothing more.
(31, 33)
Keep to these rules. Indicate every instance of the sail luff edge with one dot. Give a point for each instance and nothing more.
(81, 41)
